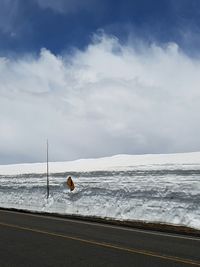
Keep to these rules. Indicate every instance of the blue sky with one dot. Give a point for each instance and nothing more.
(98, 78)
(29, 25)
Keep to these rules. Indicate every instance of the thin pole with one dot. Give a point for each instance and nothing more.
(47, 169)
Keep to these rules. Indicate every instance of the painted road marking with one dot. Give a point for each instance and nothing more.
(107, 245)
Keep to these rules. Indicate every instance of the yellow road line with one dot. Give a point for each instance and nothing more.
(107, 245)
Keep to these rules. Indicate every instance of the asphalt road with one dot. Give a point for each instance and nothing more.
(34, 240)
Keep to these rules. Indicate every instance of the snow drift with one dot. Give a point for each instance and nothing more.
(155, 188)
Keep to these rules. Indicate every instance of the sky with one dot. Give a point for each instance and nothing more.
(98, 78)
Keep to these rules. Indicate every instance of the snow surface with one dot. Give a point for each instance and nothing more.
(157, 188)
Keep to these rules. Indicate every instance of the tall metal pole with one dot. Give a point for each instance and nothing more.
(47, 169)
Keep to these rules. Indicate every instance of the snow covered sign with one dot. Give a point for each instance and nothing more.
(70, 183)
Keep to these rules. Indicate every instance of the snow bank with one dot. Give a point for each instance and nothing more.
(155, 188)
(118, 162)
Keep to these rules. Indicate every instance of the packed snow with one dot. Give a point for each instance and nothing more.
(156, 188)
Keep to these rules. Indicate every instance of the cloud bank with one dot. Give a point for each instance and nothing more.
(108, 99)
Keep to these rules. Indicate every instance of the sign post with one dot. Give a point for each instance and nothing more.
(47, 169)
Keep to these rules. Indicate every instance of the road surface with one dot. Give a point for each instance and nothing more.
(36, 240)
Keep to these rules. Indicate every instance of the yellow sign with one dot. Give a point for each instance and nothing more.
(70, 183)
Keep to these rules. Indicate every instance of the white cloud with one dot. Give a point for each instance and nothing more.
(8, 16)
(68, 6)
(108, 99)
